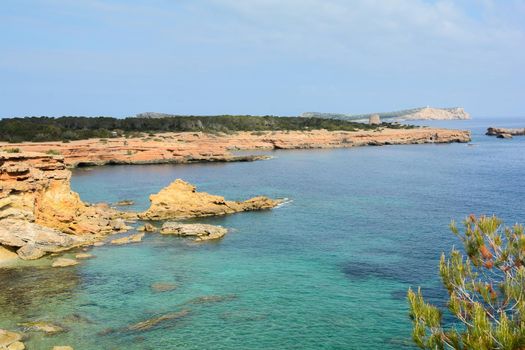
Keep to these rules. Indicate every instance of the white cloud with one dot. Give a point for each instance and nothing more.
(397, 28)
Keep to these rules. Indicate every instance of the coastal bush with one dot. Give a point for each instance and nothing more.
(53, 152)
(79, 128)
(11, 150)
(486, 290)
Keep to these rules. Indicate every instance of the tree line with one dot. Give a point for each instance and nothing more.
(77, 127)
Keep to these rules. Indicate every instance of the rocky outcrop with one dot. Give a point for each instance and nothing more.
(136, 238)
(64, 262)
(32, 241)
(35, 187)
(190, 147)
(201, 232)
(83, 256)
(505, 132)
(40, 214)
(7, 256)
(41, 326)
(10, 340)
(504, 136)
(181, 200)
(147, 227)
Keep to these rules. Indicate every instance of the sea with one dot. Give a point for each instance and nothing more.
(328, 269)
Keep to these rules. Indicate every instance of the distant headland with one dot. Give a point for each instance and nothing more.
(421, 113)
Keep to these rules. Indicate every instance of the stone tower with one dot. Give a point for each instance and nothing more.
(374, 119)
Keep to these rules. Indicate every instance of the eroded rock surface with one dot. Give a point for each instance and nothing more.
(136, 238)
(64, 262)
(36, 187)
(152, 322)
(42, 326)
(32, 241)
(505, 132)
(201, 232)
(39, 213)
(7, 255)
(189, 147)
(161, 287)
(181, 200)
(8, 338)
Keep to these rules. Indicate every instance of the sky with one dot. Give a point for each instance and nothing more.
(259, 57)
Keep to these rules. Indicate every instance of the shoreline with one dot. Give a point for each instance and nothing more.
(192, 147)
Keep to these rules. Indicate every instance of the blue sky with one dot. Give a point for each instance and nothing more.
(283, 57)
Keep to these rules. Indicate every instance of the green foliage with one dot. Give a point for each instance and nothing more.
(11, 150)
(486, 291)
(53, 152)
(78, 128)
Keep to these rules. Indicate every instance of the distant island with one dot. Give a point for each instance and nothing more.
(422, 113)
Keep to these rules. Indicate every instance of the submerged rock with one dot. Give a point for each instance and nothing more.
(201, 232)
(181, 200)
(147, 228)
(163, 287)
(83, 256)
(17, 345)
(7, 256)
(64, 262)
(152, 322)
(30, 252)
(124, 203)
(212, 299)
(41, 326)
(136, 238)
(8, 338)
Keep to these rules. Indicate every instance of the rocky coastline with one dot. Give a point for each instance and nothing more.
(190, 147)
(505, 133)
(41, 215)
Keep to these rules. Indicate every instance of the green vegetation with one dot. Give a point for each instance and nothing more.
(11, 150)
(76, 128)
(53, 152)
(486, 291)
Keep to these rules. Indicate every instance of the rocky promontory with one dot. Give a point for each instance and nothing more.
(40, 214)
(192, 147)
(505, 132)
(180, 200)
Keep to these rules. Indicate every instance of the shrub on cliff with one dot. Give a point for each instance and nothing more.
(486, 291)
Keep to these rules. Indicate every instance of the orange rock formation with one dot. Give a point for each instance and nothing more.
(187, 147)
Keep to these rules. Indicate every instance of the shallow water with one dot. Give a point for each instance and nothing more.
(327, 270)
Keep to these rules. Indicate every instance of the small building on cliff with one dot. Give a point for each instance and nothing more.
(374, 119)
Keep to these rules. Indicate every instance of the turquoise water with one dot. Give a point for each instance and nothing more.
(327, 270)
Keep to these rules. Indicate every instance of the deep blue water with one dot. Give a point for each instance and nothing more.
(327, 270)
